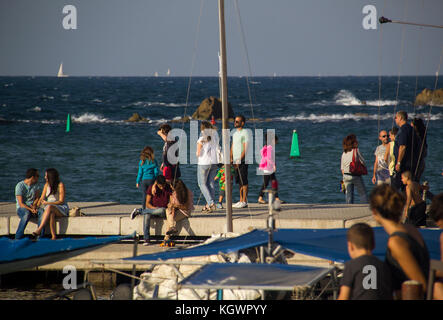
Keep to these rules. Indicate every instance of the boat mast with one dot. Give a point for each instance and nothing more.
(225, 125)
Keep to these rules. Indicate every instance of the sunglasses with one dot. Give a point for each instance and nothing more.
(384, 136)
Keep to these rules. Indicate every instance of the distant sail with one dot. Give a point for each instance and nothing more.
(168, 73)
(156, 74)
(60, 72)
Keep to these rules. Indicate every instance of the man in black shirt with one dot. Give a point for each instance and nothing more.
(406, 149)
(365, 277)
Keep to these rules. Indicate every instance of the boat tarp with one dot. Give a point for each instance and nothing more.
(16, 255)
(330, 244)
(254, 276)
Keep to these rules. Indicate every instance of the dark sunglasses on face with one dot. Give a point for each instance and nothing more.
(384, 136)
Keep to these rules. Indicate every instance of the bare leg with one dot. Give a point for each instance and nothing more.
(49, 215)
(45, 219)
(244, 193)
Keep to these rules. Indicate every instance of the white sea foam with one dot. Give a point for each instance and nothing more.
(157, 104)
(352, 116)
(35, 109)
(346, 98)
(381, 103)
(90, 117)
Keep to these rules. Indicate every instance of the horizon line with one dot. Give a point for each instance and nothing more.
(215, 76)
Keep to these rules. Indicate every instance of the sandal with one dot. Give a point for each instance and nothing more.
(171, 231)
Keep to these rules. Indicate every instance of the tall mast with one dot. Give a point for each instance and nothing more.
(225, 125)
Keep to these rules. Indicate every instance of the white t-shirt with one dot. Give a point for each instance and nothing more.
(208, 152)
(346, 159)
(238, 139)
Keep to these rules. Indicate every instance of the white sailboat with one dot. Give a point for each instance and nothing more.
(168, 73)
(60, 73)
(156, 74)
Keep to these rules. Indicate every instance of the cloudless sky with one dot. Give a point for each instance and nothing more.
(286, 37)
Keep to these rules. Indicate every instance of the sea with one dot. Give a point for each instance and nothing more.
(98, 157)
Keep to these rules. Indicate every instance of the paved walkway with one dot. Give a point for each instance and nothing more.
(108, 218)
(113, 219)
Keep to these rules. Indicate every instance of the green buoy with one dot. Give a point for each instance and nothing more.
(295, 150)
(68, 123)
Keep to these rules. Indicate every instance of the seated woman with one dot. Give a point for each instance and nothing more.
(157, 199)
(53, 199)
(407, 255)
(436, 213)
(179, 208)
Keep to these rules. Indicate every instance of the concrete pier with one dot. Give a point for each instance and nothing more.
(109, 218)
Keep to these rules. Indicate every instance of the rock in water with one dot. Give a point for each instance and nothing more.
(211, 107)
(427, 96)
(136, 118)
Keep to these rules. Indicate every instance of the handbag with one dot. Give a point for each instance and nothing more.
(357, 168)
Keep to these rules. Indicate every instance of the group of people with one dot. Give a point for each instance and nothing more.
(407, 257)
(399, 162)
(46, 205)
(157, 185)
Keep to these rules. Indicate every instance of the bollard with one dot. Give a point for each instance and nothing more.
(411, 290)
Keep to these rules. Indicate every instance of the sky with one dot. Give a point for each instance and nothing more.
(282, 37)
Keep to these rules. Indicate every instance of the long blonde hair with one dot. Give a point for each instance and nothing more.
(147, 154)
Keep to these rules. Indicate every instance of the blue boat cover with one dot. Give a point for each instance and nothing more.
(330, 244)
(16, 255)
(254, 276)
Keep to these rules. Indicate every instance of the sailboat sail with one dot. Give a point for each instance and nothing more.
(60, 71)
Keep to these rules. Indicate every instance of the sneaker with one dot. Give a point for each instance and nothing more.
(219, 206)
(244, 205)
(237, 205)
(135, 213)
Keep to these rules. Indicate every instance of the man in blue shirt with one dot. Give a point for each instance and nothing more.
(27, 194)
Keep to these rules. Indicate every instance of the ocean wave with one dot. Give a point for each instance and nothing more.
(35, 109)
(347, 98)
(157, 104)
(90, 118)
(352, 116)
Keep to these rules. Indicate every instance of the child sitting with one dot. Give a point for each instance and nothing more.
(414, 211)
(365, 277)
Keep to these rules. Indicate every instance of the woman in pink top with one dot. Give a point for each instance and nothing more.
(267, 168)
